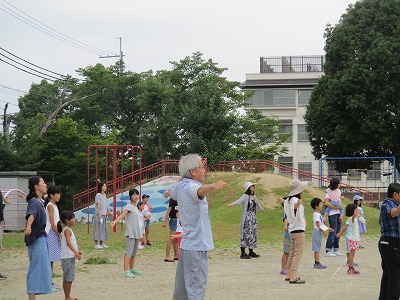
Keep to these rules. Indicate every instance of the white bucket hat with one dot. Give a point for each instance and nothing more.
(247, 184)
(297, 186)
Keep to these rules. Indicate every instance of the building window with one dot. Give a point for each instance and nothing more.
(302, 134)
(332, 172)
(283, 98)
(304, 96)
(287, 128)
(375, 171)
(306, 167)
(287, 164)
(273, 98)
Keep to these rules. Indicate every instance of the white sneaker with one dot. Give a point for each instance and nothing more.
(97, 246)
(337, 253)
(104, 246)
(330, 254)
(140, 247)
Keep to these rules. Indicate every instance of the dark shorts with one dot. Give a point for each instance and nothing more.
(173, 223)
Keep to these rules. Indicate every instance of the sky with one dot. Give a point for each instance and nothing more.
(62, 36)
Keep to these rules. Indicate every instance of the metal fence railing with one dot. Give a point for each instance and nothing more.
(288, 64)
(259, 166)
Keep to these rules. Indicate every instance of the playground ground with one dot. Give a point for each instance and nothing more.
(229, 277)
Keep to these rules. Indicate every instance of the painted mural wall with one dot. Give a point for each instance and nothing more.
(155, 189)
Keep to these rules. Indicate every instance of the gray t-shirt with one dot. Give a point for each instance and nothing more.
(102, 199)
(132, 224)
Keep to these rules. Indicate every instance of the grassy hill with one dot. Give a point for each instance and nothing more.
(226, 221)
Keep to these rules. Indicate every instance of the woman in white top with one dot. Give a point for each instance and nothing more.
(294, 211)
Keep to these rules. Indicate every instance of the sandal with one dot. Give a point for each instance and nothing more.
(167, 260)
(297, 281)
(176, 258)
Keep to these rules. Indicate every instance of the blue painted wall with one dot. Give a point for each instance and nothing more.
(154, 188)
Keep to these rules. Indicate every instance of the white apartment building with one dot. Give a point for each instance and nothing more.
(282, 89)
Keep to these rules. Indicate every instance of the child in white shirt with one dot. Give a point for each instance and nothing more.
(319, 230)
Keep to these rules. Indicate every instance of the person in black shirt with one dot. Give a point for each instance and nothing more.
(171, 216)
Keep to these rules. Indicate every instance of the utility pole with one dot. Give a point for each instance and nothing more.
(121, 55)
(6, 126)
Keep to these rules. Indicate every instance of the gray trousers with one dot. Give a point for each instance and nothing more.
(191, 275)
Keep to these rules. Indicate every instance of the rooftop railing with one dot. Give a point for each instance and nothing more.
(289, 64)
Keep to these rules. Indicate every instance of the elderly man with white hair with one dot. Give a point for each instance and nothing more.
(192, 270)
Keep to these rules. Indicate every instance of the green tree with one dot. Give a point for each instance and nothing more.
(206, 105)
(259, 137)
(64, 151)
(160, 123)
(354, 109)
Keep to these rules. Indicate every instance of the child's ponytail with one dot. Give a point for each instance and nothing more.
(31, 186)
(59, 227)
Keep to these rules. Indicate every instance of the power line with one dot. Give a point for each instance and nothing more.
(46, 31)
(37, 69)
(9, 103)
(31, 63)
(50, 31)
(29, 68)
(26, 71)
(10, 88)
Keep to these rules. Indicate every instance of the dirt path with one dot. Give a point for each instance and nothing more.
(229, 277)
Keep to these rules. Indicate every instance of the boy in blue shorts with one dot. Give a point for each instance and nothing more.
(319, 230)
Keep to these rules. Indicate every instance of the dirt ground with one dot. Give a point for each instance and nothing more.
(229, 277)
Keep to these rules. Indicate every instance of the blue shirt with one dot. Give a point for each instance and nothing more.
(36, 209)
(194, 216)
(390, 227)
(353, 230)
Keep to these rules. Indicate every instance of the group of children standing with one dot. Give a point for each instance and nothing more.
(354, 226)
(47, 241)
(44, 231)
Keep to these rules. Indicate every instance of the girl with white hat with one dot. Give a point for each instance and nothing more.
(248, 224)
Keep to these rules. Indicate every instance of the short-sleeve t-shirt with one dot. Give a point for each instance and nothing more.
(174, 208)
(132, 222)
(353, 231)
(36, 209)
(102, 199)
(316, 217)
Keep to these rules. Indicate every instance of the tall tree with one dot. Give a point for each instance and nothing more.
(354, 109)
(64, 151)
(259, 137)
(206, 104)
(160, 123)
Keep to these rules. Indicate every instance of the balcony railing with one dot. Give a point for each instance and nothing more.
(289, 64)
